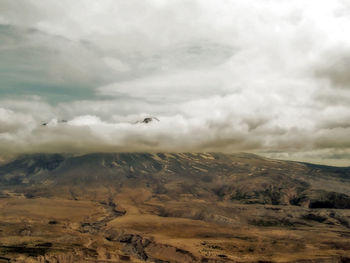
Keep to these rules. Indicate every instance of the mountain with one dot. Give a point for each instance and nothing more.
(172, 207)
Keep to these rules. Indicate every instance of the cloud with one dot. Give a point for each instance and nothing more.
(336, 70)
(12, 122)
(266, 76)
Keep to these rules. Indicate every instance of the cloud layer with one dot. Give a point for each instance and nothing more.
(269, 76)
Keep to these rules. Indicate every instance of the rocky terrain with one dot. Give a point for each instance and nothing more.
(165, 207)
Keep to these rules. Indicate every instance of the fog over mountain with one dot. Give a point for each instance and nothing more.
(269, 77)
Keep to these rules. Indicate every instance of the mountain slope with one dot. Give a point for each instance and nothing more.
(243, 178)
(183, 207)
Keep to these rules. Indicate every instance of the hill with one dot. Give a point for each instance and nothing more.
(172, 207)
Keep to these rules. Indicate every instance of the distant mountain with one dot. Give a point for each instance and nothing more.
(242, 178)
(144, 196)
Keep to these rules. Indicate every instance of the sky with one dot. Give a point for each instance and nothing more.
(270, 77)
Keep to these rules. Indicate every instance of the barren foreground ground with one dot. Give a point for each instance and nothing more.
(172, 208)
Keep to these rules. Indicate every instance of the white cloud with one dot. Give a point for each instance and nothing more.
(12, 122)
(116, 64)
(266, 76)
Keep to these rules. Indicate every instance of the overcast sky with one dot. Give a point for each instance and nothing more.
(264, 76)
